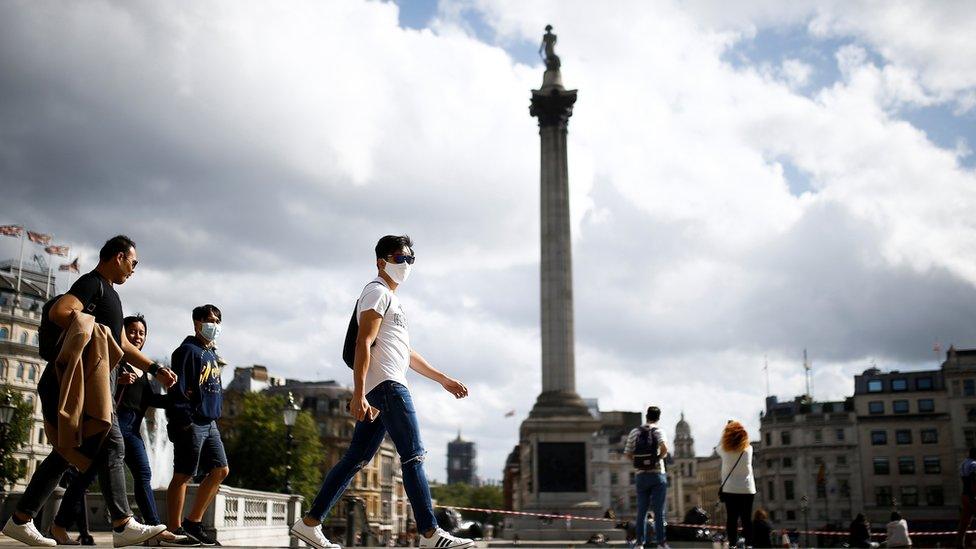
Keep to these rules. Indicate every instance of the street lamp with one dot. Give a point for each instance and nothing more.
(7, 410)
(290, 414)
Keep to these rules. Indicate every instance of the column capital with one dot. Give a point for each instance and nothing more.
(552, 106)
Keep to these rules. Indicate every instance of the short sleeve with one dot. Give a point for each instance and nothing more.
(662, 438)
(86, 289)
(376, 298)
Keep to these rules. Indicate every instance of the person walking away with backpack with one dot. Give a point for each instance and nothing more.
(194, 407)
(646, 448)
(92, 294)
(135, 392)
(738, 489)
(967, 507)
(381, 401)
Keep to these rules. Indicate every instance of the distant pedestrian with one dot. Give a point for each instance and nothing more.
(967, 507)
(194, 406)
(762, 529)
(646, 448)
(859, 534)
(738, 489)
(381, 403)
(898, 532)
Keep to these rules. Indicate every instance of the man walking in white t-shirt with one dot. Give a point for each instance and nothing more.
(381, 402)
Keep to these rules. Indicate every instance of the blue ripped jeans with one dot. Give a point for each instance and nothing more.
(399, 419)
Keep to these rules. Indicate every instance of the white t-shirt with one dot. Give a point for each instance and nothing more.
(390, 355)
(741, 481)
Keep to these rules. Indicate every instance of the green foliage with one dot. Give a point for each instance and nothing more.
(465, 495)
(13, 436)
(255, 442)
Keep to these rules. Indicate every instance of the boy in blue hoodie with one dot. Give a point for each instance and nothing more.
(194, 407)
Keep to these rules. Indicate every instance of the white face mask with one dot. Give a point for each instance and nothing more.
(210, 331)
(398, 272)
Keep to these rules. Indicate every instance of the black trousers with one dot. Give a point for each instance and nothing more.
(738, 507)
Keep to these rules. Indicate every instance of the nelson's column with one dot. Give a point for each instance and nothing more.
(555, 438)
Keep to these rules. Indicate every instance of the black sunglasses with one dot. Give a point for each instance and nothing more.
(400, 258)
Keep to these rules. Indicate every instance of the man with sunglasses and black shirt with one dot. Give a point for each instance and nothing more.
(381, 402)
(93, 293)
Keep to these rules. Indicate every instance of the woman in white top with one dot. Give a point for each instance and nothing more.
(739, 484)
(898, 531)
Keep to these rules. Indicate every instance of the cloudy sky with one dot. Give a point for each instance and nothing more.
(746, 182)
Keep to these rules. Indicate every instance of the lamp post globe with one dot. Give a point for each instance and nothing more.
(289, 414)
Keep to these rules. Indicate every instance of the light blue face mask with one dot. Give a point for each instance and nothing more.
(210, 330)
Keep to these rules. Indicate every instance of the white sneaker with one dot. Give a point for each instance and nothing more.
(442, 540)
(27, 533)
(135, 533)
(312, 535)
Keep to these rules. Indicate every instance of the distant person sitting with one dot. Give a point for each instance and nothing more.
(762, 529)
(859, 534)
(898, 531)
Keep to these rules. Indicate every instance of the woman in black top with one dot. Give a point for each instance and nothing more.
(860, 533)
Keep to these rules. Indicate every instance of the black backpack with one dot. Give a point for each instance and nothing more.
(647, 449)
(352, 331)
(49, 334)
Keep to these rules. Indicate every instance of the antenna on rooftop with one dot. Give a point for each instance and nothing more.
(808, 374)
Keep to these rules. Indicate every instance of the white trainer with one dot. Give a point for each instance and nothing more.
(442, 540)
(27, 533)
(135, 533)
(312, 535)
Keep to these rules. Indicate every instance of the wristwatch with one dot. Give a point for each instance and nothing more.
(153, 369)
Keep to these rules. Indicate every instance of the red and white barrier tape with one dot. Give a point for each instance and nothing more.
(675, 524)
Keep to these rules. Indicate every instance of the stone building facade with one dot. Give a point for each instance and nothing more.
(807, 463)
(20, 365)
(462, 466)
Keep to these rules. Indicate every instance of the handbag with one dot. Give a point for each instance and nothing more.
(721, 493)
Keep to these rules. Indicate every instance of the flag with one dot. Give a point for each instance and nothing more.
(57, 250)
(72, 267)
(40, 238)
(937, 348)
(11, 230)
(510, 413)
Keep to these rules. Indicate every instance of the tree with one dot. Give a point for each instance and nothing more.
(255, 443)
(13, 436)
(465, 495)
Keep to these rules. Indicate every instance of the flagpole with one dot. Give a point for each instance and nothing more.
(50, 265)
(20, 266)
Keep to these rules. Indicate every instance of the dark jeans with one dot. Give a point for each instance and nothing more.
(652, 492)
(136, 458)
(967, 508)
(108, 464)
(399, 419)
(738, 507)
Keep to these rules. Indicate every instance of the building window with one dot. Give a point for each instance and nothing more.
(34, 340)
(23, 337)
(771, 492)
(770, 463)
(899, 384)
(969, 387)
(818, 436)
(20, 370)
(818, 460)
(933, 466)
(934, 496)
(788, 490)
(772, 516)
(40, 435)
(769, 439)
(909, 496)
(845, 487)
(879, 438)
(899, 406)
(882, 496)
(876, 407)
(881, 466)
(971, 414)
(614, 479)
(903, 436)
(4, 333)
(32, 374)
(906, 465)
(790, 515)
(787, 462)
(929, 436)
(924, 384)
(926, 405)
(955, 387)
(841, 460)
(839, 434)
(786, 438)
(821, 490)
(875, 386)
